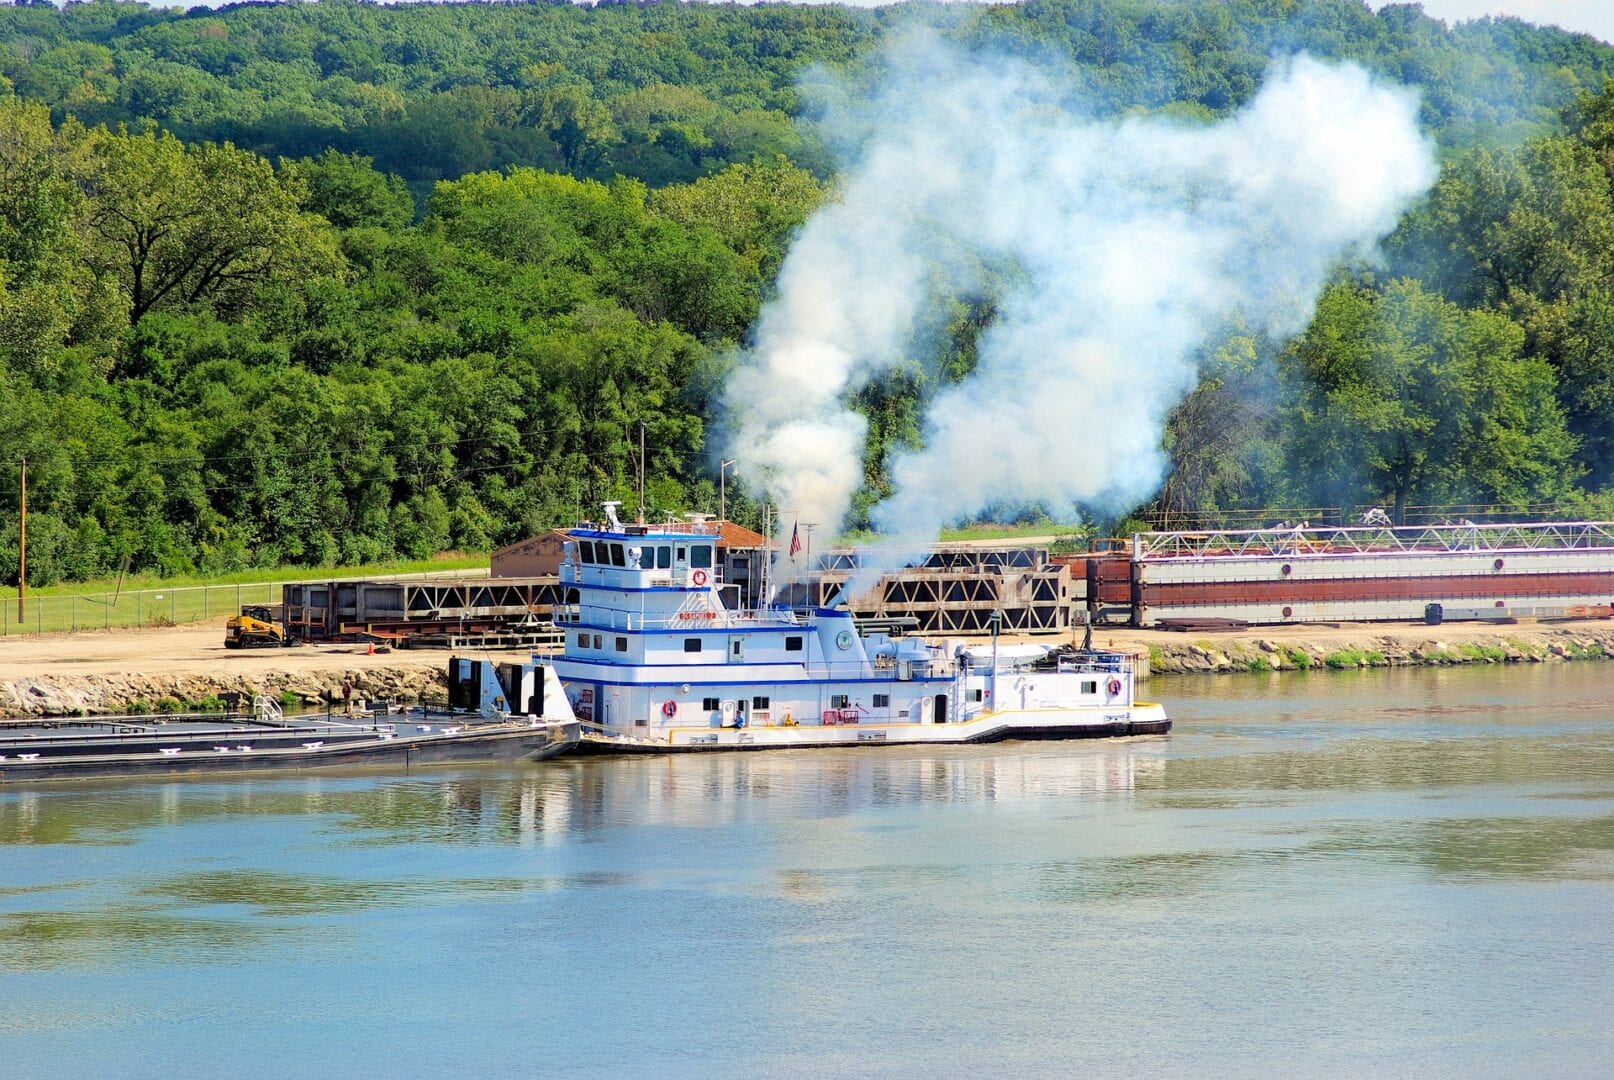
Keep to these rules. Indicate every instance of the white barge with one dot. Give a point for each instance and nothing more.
(660, 655)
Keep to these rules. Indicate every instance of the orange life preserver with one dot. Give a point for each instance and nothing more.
(669, 708)
(698, 577)
(1113, 686)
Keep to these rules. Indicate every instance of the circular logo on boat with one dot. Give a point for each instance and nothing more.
(843, 640)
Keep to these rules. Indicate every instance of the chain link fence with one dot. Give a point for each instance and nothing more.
(161, 607)
(132, 607)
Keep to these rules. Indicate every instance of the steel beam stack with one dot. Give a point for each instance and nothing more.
(956, 588)
(407, 607)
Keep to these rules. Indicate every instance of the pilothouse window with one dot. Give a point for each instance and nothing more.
(663, 557)
(700, 556)
(616, 555)
(585, 550)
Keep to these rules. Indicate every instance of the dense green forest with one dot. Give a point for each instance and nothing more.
(306, 283)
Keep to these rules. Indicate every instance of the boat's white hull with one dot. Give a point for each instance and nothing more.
(1140, 718)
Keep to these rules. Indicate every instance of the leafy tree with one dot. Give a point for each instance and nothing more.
(348, 191)
(178, 225)
(1405, 398)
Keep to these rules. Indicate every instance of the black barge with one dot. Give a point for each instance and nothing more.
(503, 713)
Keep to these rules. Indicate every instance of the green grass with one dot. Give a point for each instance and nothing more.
(151, 601)
(1259, 664)
(970, 532)
(1483, 653)
(273, 574)
(1354, 658)
(1299, 658)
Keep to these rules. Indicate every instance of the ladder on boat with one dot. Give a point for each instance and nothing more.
(267, 711)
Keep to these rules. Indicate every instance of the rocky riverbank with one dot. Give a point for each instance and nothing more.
(181, 668)
(1313, 649)
(76, 695)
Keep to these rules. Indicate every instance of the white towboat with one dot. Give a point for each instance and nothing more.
(656, 660)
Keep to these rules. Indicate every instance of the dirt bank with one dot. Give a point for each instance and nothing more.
(113, 671)
(1366, 645)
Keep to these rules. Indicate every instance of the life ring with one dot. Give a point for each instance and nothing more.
(697, 577)
(1113, 686)
(669, 708)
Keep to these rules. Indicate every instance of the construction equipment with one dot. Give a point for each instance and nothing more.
(254, 628)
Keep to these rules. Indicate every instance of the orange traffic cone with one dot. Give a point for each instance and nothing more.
(371, 650)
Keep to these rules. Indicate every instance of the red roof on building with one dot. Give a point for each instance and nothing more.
(738, 536)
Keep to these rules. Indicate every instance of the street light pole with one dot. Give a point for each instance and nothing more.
(22, 543)
(722, 489)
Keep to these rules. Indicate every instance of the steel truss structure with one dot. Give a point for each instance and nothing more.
(1302, 541)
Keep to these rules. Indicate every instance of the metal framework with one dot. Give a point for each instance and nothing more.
(1448, 538)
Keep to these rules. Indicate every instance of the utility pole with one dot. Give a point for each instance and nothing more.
(22, 543)
(809, 526)
(722, 489)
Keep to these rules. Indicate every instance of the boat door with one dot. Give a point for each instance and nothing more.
(737, 647)
(939, 711)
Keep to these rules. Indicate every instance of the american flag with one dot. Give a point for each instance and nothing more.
(795, 540)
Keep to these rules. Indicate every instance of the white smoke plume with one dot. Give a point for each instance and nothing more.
(1129, 240)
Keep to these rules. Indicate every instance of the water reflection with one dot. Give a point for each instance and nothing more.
(534, 805)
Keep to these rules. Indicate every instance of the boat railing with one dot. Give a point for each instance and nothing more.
(616, 619)
(1102, 663)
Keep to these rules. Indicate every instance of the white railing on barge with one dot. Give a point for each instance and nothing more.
(1373, 540)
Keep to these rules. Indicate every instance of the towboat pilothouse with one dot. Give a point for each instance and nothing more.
(662, 655)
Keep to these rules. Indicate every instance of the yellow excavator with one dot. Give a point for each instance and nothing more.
(254, 628)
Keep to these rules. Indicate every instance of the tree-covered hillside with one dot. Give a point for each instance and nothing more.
(666, 92)
(298, 283)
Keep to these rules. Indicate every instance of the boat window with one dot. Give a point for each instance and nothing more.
(1090, 687)
(683, 553)
(711, 704)
(700, 556)
(882, 701)
(585, 550)
(621, 644)
(636, 558)
(838, 701)
(792, 644)
(598, 643)
(759, 703)
(663, 557)
(692, 644)
(977, 695)
(616, 555)
(582, 641)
